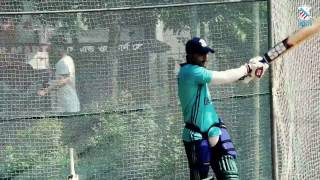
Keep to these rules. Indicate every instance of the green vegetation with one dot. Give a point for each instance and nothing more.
(119, 143)
(34, 150)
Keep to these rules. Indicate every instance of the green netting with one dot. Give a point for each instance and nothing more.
(58, 5)
(296, 94)
(129, 124)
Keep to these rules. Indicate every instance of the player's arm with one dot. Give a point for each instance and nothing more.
(55, 84)
(221, 77)
(233, 75)
(61, 81)
(63, 76)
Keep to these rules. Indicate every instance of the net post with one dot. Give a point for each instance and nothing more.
(272, 123)
(257, 100)
(73, 175)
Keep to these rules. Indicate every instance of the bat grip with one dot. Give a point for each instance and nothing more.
(263, 60)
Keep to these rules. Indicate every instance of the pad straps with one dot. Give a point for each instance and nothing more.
(195, 128)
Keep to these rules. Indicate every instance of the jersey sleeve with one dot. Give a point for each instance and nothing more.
(202, 75)
(62, 68)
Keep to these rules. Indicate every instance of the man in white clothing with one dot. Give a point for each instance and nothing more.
(64, 84)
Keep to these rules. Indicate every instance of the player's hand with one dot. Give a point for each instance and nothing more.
(42, 92)
(258, 68)
(255, 68)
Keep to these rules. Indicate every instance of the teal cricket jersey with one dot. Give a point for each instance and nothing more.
(195, 101)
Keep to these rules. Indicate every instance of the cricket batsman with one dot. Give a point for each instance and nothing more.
(206, 139)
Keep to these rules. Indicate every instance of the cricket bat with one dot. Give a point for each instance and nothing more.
(289, 43)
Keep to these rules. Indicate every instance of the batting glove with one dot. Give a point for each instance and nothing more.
(258, 68)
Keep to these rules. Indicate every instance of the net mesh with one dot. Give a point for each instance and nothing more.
(296, 95)
(129, 122)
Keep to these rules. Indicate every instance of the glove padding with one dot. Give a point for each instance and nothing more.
(257, 69)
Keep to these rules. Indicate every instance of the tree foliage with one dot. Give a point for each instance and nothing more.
(34, 150)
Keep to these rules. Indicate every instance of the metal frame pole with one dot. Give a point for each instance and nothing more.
(272, 115)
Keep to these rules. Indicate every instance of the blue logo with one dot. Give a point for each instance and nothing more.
(305, 18)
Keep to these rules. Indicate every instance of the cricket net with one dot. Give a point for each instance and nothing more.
(296, 101)
(126, 54)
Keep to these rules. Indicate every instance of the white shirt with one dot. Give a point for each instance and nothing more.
(67, 98)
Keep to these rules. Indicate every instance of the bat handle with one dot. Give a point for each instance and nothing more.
(263, 60)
